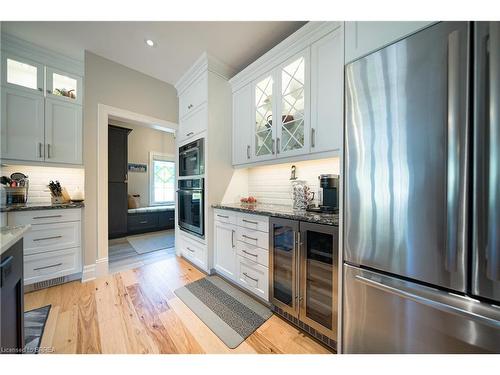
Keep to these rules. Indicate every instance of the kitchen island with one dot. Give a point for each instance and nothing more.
(11, 289)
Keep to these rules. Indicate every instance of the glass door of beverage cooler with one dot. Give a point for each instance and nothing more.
(284, 264)
(318, 296)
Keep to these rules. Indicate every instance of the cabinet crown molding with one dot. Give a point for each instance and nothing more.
(23, 48)
(203, 64)
(292, 45)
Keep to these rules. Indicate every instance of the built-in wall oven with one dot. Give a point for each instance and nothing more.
(191, 159)
(191, 206)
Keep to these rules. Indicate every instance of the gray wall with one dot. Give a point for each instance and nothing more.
(109, 83)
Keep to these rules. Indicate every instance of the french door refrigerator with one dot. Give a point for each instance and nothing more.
(422, 190)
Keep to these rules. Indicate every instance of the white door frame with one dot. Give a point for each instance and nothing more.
(104, 113)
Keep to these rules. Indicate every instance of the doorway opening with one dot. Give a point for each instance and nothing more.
(136, 164)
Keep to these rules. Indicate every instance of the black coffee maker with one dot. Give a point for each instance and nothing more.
(328, 195)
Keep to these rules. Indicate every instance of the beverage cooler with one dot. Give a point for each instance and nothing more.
(303, 273)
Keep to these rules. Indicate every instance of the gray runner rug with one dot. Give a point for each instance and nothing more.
(34, 325)
(229, 313)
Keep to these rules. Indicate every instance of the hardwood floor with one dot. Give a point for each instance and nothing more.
(136, 311)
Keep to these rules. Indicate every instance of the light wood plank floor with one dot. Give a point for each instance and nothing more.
(136, 311)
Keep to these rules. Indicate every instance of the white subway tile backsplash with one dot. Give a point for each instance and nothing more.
(70, 178)
(271, 184)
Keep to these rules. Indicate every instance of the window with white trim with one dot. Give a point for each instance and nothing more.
(162, 179)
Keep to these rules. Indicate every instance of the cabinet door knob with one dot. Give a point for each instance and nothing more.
(49, 91)
(40, 89)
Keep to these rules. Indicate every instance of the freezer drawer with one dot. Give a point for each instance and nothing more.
(387, 315)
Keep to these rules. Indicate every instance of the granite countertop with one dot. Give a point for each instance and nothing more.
(40, 206)
(282, 211)
(10, 235)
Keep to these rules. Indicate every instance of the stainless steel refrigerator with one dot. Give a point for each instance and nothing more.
(422, 194)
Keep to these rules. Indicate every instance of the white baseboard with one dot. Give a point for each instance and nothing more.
(88, 273)
(101, 267)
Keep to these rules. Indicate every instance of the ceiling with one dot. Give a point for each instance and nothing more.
(178, 44)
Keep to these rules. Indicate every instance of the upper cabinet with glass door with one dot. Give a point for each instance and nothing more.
(64, 86)
(297, 109)
(293, 124)
(264, 146)
(21, 73)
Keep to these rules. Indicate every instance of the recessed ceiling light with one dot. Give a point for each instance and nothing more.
(150, 43)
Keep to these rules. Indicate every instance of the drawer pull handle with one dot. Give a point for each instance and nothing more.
(222, 216)
(232, 238)
(42, 268)
(187, 247)
(250, 222)
(47, 238)
(143, 222)
(46, 217)
(249, 238)
(251, 278)
(189, 134)
(246, 252)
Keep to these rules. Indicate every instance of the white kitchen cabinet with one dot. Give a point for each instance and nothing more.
(281, 110)
(22, 73)
(241, 243)
(193, 251)
(327, 92)
(52, 244)
(225, 249)
(63, 132)
(263, 113)
(42, 96)
(297, 104)
(64, 86)
(253, 277)
(193, 124)
(194, 96)
(242, 125)
(22, 127)
(364, 37)
(292, 123)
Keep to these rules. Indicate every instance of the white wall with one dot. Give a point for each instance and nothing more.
(271, 184)
(109, 83)
(39, 177)
(141, 141)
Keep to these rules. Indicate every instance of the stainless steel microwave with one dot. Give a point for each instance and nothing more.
(191, 159)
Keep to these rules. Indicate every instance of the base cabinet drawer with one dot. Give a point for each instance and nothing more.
(253, 253)
(49, 265)
(49, 237)
(227, 217)
(253, 237)
(253, 277)
(255, 222)
(194, 252)
(140, 222)
(44, 216)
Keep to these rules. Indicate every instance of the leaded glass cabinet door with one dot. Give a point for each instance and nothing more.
(283, 286)
(318, 294)
(293, 105)
(264, 143)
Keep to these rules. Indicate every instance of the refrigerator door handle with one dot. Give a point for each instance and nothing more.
(429, 302)
(493, 116)
(453, 170)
